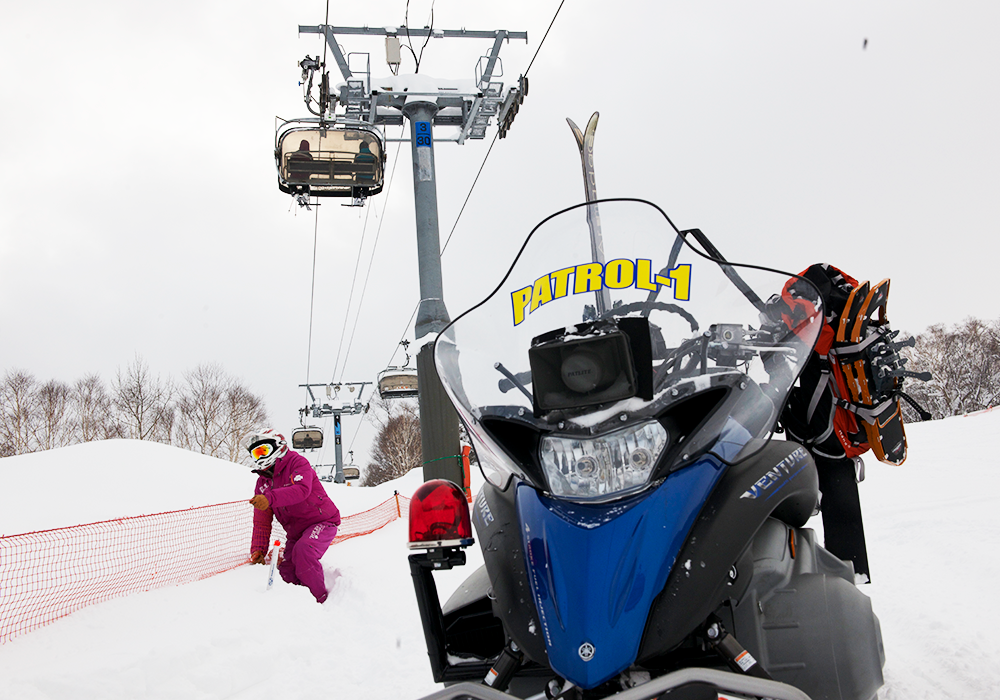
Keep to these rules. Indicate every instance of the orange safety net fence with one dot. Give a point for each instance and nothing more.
(373, 519)
(49, 574)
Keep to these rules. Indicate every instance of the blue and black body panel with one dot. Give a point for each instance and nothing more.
(596, 569)
(641, 566)
(779, 481)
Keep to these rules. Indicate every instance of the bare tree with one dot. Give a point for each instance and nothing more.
(91, 410)
(55, 422)
(203, 413)
(245, 412)
(397, 444)
(214, 413)
(18, 413)
(964, 362)
(143, 403)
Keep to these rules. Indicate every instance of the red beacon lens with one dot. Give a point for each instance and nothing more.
(439, 516)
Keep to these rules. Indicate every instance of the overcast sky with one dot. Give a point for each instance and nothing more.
(139, 212)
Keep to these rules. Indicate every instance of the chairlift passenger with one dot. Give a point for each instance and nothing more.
(365, 157)
(330, 160)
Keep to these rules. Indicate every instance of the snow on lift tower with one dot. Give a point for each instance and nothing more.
(398, 382)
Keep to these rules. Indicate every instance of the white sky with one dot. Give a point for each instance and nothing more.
(934, 586)
(139, 211)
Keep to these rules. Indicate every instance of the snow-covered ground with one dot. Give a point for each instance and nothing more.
(931, 523)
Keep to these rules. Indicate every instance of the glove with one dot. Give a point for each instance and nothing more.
(260, 502)
(257, 557)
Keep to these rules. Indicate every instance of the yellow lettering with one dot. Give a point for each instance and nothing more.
(519, 302)
(562, 281)
(682, 274)
(644, 275)
(588, 278)
(619, 274)
(542, 293)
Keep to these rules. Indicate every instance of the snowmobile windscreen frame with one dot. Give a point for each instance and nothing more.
(705, 332)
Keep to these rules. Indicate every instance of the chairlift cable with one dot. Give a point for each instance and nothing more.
(389, 186)
(475, 181)
(495, 135)
(347, 313)
(483, 165)
(409, 39)
(545, 37)
(388, 190)
(326, 22)
(401, 337)
(343, 331)
(427, 39)
(405, 329)
(312, 295)
(371, 261)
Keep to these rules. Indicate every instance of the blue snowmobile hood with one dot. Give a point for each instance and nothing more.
(610, 560)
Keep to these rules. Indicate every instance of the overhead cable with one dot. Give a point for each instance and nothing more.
(483, 165)
(371, 260)
(312, 294)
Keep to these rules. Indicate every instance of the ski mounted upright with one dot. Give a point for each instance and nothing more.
(585, 142)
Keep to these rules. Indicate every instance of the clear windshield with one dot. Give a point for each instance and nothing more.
(620, 259)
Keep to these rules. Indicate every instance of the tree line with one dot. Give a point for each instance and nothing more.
(208, 411)
(396, 448)
(964, 361)
(212, 413)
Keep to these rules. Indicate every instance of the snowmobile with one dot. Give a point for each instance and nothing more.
(642, 528)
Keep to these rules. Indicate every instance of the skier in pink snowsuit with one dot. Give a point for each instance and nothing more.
(288, 488)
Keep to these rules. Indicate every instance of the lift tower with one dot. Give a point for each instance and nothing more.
(428, 104)
(335, 407)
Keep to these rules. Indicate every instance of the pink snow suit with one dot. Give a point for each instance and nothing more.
(302, 506)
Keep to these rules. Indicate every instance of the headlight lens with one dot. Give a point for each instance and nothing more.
(599, 467)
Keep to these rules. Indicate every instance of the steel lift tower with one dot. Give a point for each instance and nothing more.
(470, 112)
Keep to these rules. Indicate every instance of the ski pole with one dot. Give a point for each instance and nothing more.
(275, 551)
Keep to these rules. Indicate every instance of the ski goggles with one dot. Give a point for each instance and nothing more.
(261, 450)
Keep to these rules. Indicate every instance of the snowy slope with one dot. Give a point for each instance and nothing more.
(931, 525)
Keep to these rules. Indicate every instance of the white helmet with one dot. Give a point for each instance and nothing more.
(266, 447)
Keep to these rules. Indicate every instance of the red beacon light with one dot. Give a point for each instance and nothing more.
(439, 516)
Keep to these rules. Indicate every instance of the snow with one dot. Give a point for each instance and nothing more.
(422, 84)
(112, 479)
(930, 524)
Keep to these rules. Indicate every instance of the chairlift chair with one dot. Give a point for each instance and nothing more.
(323, 159)
(307, 438)
(397, 383)
(351, 473)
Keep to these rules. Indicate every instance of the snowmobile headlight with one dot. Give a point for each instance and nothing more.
(595, 468)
